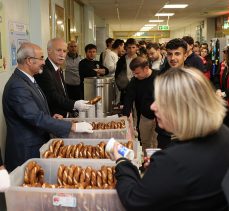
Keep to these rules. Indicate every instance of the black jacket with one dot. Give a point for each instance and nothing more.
(57, 98)
(194, 61)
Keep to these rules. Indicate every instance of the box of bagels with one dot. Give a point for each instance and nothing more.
(82, 148)
(103, 128)
(63, 184)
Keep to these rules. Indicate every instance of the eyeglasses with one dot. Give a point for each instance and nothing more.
(41, 59)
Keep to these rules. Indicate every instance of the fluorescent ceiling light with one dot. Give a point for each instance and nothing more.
(164, 14)
(145, 28)
(150, 25)
(138, 34)
(175, 6)
(156, 21)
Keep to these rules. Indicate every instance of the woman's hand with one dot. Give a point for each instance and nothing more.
(146, 162)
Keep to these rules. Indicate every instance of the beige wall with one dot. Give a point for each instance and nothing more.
(89, 25)
(208, 31)
(12, 12)
(189, 30)
(35, 14)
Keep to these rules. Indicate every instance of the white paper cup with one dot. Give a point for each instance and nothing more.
(82, 114)
(99, 110)
(91, 112)
(151, 151)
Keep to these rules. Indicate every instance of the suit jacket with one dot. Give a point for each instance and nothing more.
(28, 120)
(58, 101)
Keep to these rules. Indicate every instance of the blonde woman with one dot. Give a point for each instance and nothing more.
(187, 175)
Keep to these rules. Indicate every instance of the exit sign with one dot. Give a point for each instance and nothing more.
(163, 27)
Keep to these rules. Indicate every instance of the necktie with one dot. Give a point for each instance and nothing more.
(39, 89)
(60, 78)
(42, 96)
(58, 75)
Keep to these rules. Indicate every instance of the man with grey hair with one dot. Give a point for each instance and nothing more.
(26, 111)
(52, 83)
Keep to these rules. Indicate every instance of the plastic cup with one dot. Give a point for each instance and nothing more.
(122, 150)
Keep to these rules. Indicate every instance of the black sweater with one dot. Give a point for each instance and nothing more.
(142, 93)
(86, 69)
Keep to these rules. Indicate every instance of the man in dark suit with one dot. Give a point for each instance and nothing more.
(52, 82)
(26, 111)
